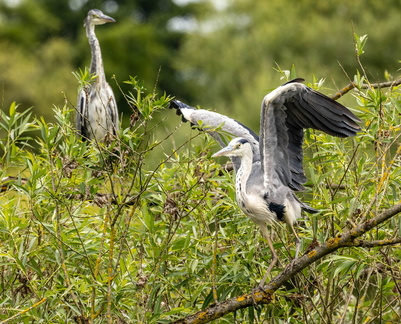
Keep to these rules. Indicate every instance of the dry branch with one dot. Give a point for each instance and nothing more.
(353, 85)
(265, 296)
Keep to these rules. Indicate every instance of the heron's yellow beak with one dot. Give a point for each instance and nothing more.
(106, 19)
(224, 152)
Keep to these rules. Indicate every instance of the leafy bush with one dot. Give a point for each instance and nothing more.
(103, 233)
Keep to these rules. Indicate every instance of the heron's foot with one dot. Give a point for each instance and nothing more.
(291, 265)
(255, 290)
(260, 286)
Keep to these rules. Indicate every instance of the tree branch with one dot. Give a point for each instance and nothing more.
(370, 244)
(353, 85)
(265, 296)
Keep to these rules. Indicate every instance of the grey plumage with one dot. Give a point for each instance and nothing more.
(209, 121)
(270, 168)
(97, 113)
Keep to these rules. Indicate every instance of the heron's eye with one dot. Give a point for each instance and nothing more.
(237, 146)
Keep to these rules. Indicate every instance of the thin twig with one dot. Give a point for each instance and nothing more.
(24, 311)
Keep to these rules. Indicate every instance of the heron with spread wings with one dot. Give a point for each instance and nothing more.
(97, 114)
(269, 168)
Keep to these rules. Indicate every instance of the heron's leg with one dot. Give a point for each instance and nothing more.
(265, 233)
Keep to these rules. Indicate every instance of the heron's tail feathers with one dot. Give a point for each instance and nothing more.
(309, 209)
(304, 206)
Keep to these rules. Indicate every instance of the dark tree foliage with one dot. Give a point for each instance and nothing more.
(139, 44)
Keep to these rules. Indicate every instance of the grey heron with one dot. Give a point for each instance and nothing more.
(97, 114)
(269, 168)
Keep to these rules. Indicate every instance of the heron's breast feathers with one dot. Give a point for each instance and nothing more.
(255, 207)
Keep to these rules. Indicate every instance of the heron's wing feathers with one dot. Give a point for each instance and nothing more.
(315, 110)
(81, 115)
(112, 111)
(286, 111)
(216, 125)
(295, 153)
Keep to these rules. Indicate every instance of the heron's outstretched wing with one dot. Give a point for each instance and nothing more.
(285, 112)
(209, 121)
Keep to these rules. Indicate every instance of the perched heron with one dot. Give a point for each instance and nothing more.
(97, 113)
(269, 169)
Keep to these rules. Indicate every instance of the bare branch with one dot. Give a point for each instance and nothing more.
(353, 85)
(343, 91)
(370, 244)
(265, 296)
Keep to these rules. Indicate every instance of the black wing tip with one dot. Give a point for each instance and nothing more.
(178, 105)
(338, 105)
(344, 109)
(348, 132)
(346, 117)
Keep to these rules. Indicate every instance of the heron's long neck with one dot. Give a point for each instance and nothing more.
(96, 61)
(243, 174)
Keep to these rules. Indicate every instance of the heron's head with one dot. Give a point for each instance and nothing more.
(97, 17)
(237, 147)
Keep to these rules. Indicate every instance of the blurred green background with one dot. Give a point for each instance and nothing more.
(218, 54)
(162, 256)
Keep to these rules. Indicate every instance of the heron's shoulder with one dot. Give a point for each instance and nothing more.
(285, 92)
